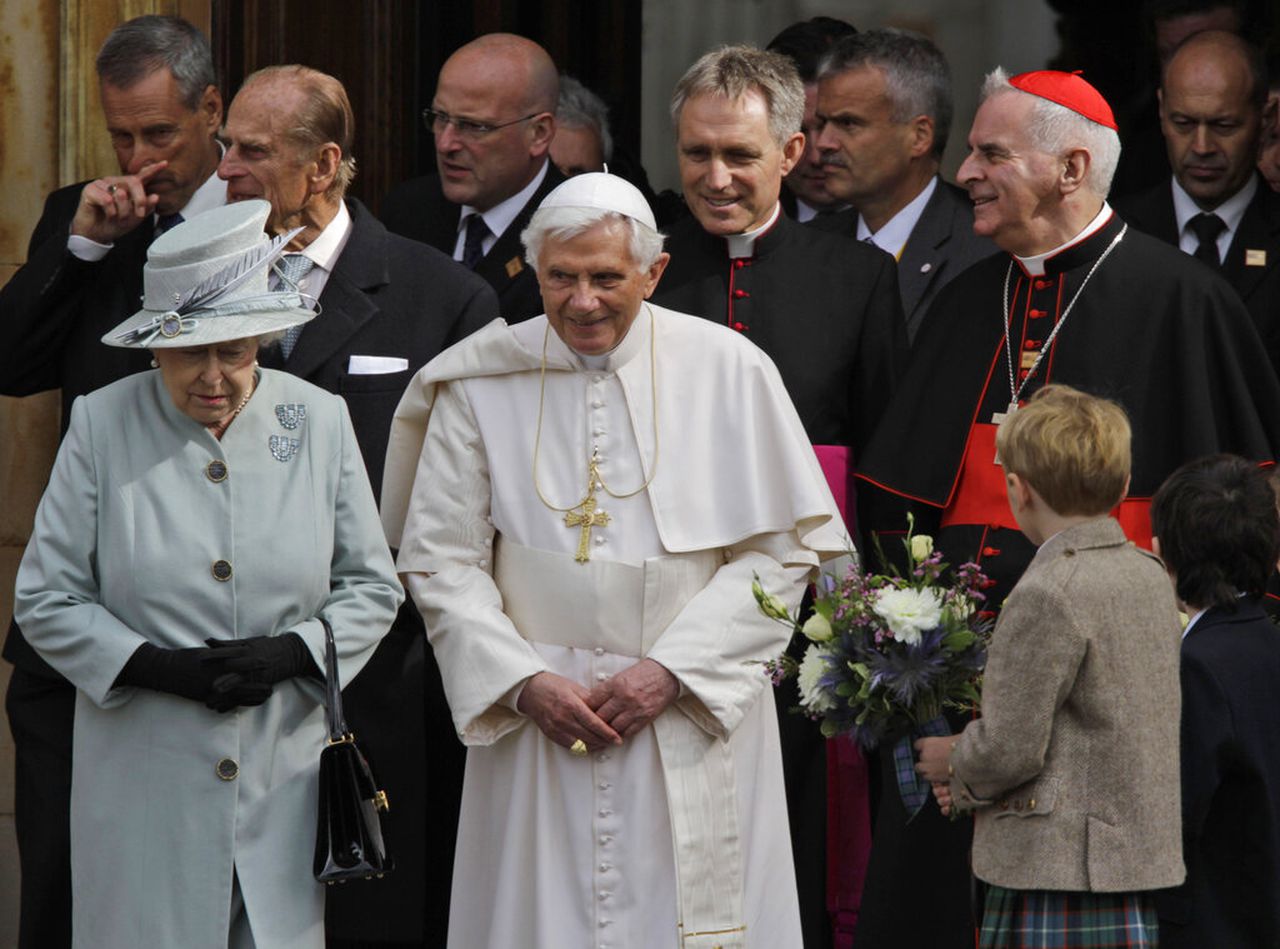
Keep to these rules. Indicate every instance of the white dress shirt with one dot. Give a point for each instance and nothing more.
(499, 217)
(1229, 211)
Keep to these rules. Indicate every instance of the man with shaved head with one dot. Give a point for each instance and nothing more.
(493, 117)
(1215, 206)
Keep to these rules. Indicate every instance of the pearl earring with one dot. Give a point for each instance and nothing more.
(154, 364)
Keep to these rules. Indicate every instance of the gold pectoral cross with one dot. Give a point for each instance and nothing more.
(585, 516)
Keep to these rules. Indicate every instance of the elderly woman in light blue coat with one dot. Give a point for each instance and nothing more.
(199, 522)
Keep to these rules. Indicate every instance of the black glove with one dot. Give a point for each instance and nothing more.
(232, 690)
(184, 672)
(264, 660)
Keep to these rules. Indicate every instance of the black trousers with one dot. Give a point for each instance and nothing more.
(41, 713)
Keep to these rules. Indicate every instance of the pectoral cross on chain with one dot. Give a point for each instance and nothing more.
(585, 516)
(997, 418)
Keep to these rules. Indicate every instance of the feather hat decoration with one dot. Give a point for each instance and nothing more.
(205, 281)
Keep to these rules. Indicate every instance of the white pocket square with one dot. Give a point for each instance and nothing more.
(373, 365)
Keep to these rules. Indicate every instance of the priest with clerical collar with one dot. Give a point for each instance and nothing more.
(580, 503)
(1078, 298)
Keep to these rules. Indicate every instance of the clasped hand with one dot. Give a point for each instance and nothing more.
(224, 674)
(612, 712)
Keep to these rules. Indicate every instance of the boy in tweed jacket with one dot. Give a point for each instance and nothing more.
(1072, 770)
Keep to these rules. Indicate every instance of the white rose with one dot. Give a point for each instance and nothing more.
(817, 628)
(813, 667)
(921, 547)
(908, 612)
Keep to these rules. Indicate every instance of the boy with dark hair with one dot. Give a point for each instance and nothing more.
(1072, 768)
(1217, 529)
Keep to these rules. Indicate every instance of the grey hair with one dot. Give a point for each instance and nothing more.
(137, 48)
(580, 108)
(1055, 129)
(916, 76)
(561, 223)
(734, 71)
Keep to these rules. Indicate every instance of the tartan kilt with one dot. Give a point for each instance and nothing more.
(1053, 919)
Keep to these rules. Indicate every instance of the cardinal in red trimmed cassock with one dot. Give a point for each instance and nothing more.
(1080, 298)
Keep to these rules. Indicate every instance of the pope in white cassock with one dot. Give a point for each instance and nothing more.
(580, 503)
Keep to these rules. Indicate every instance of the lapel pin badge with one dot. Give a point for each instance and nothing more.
(514, 266)
(1255, 258)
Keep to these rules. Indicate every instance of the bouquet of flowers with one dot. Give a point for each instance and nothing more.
(887, 652)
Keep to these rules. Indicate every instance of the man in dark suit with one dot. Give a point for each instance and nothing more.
(387, 305)
(1216, 207)
(823, 306)
(83, 275)
(883, 116)
(1217, 530)
(493, 116)
(804, 190)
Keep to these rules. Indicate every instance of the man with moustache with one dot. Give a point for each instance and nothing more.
(1077, 297)
(386, 306)
(823, 306)
(805, 195)
(883, 117)
(1216, 206)
(493, 117)
(82, 276)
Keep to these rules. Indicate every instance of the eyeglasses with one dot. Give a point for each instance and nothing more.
(466, 128)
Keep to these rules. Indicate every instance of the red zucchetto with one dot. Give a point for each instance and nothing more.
(1068, 89)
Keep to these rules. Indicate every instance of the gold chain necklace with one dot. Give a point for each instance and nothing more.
(585, 514)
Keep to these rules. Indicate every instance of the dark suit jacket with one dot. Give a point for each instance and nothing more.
(941, 245)
(418, 209)
(56, 307)
(386, 296)
(390, 296)
(1230, 785)
(1258, 284)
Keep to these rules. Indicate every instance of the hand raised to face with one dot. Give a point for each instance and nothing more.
(112, 207)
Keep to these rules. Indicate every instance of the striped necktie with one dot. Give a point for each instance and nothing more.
(293, 268)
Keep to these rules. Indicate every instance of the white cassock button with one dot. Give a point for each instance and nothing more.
(603, 786)
(597, 404)
(604, 812)
(599, 539)
(603, 756)
(600, 677)
(605, 867)
(599, 651)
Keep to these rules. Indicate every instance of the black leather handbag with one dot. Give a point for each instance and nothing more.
(349, 842)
